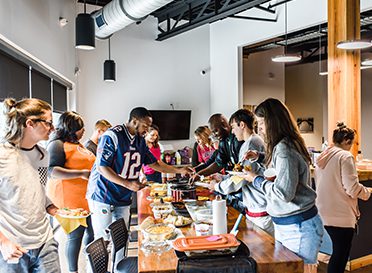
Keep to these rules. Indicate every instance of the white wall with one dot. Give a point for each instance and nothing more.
(149, 73)
(366, 99)
(33, 26)
(227, 36)
(304, 89)
(262, 78)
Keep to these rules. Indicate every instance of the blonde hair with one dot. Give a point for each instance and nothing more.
(204, 133)
(102, 124)
(16, 114)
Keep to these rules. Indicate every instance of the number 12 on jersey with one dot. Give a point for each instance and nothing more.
(130, 167)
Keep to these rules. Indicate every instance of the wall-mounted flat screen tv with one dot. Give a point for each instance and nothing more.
(173, 124)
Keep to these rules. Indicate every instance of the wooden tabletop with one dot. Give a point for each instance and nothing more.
(271, 257)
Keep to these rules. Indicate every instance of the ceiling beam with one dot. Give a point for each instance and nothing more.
(223, 12)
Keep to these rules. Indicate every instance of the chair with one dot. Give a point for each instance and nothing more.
(97, 255)
(119, 237)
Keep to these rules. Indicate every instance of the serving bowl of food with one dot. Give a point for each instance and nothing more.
(161, 211)
(159, 232)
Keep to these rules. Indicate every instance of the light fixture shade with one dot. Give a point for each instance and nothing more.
(85, 32)
(286, 58)
(354, 44)
(109, 71)
(367, 62)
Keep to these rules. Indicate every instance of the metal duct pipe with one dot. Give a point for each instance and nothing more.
(119, 13)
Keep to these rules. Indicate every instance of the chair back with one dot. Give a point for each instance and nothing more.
(97, 255)
(119, 237)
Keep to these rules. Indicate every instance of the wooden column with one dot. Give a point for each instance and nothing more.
(344, 87)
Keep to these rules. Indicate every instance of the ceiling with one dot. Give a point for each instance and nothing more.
(182, 15)
(309, 42)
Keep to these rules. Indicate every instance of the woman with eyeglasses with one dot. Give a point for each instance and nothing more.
(70, 164)
(26, 237)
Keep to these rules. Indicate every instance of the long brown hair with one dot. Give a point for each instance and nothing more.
(16, 114)
(280, 124)
(153, 127)
(204, 133)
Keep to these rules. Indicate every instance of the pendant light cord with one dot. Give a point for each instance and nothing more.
(85, 7)
(286, 28)
(109, 44)
(320, 50)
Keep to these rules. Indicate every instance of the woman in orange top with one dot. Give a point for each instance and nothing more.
(70, 165)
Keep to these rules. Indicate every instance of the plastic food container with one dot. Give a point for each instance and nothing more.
(205, 216)
(161, 211)
(205, 245)
(158, 232)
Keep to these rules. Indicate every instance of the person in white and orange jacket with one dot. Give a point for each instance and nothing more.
(338, 190)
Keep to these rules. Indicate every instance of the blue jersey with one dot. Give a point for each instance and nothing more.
(123, 153)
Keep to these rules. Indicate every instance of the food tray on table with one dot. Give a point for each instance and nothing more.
(180, 209)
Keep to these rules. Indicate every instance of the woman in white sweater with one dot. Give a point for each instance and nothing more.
(338, 191)
(26, 237)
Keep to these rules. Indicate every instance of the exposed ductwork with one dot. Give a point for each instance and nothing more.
(119, 13)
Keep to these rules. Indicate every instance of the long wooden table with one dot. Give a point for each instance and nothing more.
(271, 256)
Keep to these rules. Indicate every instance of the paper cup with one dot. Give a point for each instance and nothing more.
(270, 174)
(202, 229)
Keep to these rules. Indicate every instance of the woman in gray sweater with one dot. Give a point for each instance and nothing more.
(290, 199)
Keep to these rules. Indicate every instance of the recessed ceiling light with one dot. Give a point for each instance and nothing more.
(354, 44)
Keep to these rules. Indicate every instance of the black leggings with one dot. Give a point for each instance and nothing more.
(341, 245)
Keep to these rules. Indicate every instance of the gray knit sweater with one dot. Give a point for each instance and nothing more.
(290, 193)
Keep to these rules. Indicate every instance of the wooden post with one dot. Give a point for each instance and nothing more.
(344, 87)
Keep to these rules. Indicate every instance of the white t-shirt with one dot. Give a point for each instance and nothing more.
(23, 202)
(39, 159)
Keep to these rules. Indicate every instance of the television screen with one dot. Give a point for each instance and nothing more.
(173, 124)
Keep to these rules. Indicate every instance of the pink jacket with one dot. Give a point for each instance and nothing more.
(338, 188)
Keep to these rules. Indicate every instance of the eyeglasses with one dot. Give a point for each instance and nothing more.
(48, 122)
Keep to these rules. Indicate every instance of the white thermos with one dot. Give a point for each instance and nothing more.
(219, 215)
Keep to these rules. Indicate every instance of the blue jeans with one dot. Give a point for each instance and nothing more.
(41, 260)
(104, 214)
(303, 238)
(155, 177)
(73, 244)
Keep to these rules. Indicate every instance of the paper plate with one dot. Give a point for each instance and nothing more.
(235, 173)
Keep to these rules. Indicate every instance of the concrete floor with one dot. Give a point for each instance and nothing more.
(60, 236)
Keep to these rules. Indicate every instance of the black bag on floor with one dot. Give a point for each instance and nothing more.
(239, 262)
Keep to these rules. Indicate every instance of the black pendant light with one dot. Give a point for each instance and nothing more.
(84, 31)
(109, 67)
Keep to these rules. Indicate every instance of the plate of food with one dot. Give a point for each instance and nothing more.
(177, 220)
(73, 213)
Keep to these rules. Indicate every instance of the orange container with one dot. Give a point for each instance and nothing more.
(206, 243)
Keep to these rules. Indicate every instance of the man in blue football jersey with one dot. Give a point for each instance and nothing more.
(114, 177)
